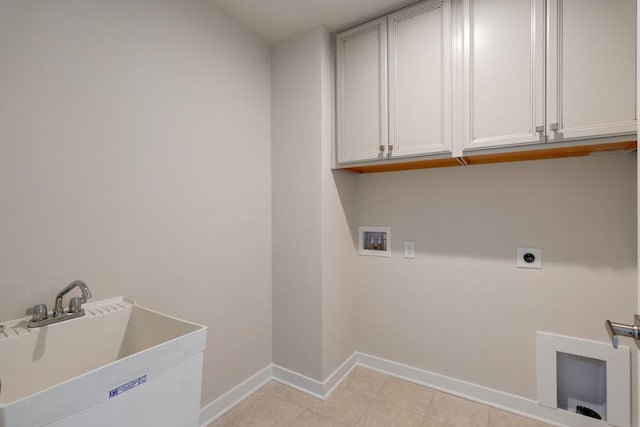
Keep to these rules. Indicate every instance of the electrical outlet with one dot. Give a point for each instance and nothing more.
(409, 249)
(529, 258)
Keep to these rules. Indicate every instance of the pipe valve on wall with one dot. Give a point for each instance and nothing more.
(616, 330)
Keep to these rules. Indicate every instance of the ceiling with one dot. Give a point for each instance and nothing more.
(276, 20)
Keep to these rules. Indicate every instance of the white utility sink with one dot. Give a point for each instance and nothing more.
(120, 364)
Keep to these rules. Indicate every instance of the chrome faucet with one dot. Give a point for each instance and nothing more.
(73, 306)
(41, 317)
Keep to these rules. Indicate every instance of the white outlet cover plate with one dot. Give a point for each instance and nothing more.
(409, 249)
(537, 262)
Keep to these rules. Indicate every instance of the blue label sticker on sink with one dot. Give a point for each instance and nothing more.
(128, 386)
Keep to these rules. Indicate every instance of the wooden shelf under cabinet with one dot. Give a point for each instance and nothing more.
(549, 153)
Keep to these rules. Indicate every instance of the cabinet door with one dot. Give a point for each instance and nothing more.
(503, 46)
(591, 76)
(361, 96)
(420, 79)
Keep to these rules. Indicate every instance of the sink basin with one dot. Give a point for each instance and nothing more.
(120, 364)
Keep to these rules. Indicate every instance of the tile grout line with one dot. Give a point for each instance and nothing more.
(298, 417)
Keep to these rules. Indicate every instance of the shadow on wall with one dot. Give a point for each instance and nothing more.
(346, 184)
(579, 210)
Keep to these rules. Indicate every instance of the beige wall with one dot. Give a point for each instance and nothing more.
(462, 308)
(313, 309)
(338, 255)
(297, 231)
(135, 155)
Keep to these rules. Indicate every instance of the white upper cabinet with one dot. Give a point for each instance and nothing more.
(420, 79)
(454, 77)
(585, 49)
(503, 89)
(407, 53)
(591, 83)
(361, 95)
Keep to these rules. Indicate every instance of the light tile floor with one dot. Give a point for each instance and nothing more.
(366, 398)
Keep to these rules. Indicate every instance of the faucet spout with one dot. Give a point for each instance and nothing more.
(86, 294)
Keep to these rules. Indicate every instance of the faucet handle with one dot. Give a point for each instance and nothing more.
(75, 305)
(39, 312)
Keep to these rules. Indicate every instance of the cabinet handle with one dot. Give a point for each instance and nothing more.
(540, 129)
(554, 127)
(381, 152)
(390, 153)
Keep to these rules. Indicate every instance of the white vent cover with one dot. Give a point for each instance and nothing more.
(593, 374)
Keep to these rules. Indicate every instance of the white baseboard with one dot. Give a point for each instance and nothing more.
(491, 397)
(313, 387)
(298, 381)
(339, 374)
(224, 403)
